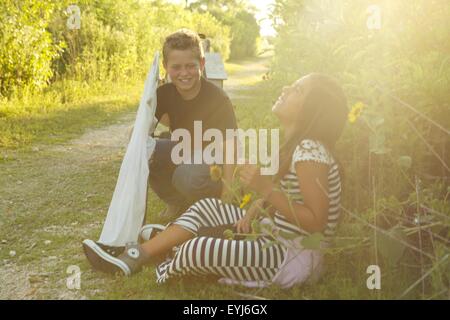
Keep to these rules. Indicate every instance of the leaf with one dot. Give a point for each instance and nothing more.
(390, 245)
(228, 234)
(377, 143)
(268, 245)
(375, 121)
(267, 227)
(288, 235)
(256, 226)
(251, 237)
(312, 241)
(343, 242)
(404, 161)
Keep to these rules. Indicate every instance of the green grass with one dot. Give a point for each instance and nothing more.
(66, 203)
(62, 195)
(63, 112)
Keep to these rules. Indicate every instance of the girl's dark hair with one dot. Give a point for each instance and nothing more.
(322, 119)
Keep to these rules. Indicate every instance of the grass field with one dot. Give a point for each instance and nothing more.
(59, 167)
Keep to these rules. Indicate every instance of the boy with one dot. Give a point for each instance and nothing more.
(188, 98)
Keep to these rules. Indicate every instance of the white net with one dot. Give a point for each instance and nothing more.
(127, 209)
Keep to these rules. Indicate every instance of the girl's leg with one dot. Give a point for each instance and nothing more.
(164, 241)
(207, 212)
(241, 260)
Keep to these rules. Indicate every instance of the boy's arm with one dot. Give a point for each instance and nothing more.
(165, 120)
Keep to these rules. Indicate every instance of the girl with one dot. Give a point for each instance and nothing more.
(302, 199)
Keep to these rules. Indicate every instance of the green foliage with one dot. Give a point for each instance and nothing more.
(407, 59)
(116, 40)
(26, 48)
(391, 244)
(239, 17)
(395, 78)
(313, 241)
(245, 31)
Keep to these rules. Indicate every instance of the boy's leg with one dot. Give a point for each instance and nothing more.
(194, 182)
(161, 171)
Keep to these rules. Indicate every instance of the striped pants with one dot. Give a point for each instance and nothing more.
(242, 260)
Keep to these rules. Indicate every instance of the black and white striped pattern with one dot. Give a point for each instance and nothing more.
(310, 150)
(243, 260)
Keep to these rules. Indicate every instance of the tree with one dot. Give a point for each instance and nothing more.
(239, 16)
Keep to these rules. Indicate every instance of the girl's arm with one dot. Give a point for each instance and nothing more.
(257, 208)
(312, 215)
(312, 177)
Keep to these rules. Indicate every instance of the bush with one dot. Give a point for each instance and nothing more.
(243, 27)
(26, 48)
(376, 67)
(116, 41)
(245, 32)
(118, 38)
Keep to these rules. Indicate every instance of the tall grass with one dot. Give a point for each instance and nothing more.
(396, 153)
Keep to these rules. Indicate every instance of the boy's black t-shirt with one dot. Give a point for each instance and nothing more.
(211, 106)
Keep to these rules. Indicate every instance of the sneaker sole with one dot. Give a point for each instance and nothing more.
(102, 261)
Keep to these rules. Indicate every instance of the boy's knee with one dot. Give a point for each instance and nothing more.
(182, 179)
(194, 182)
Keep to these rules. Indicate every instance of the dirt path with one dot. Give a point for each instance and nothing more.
(30, 261)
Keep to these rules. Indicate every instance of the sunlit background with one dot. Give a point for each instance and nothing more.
(70, 82)
(262, 14)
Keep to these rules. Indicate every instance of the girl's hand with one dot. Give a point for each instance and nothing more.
(244, 224)
(250, 177)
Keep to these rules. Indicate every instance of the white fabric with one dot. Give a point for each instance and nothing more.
(310, 150)
(299, 265)
(127, 209)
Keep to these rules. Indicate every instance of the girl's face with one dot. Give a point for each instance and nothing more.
(289, 105)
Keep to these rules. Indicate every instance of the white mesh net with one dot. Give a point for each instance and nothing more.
(127, 209)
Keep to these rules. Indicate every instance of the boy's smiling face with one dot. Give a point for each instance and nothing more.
(185, 70)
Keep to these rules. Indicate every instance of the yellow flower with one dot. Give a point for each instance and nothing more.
(215, 172)
(245, 200)
(355, 112)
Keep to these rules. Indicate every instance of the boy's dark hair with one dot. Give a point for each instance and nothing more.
(183, 39)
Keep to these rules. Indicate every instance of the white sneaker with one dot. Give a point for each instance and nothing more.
(150, 230)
